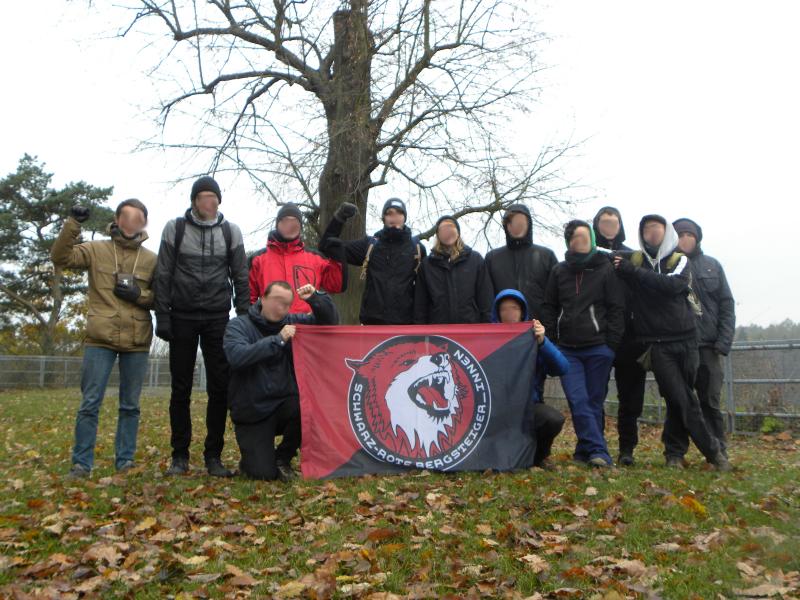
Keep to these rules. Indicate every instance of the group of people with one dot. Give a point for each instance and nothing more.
(665, 307)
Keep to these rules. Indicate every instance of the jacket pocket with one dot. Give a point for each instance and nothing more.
(103, 278)
(103, 327)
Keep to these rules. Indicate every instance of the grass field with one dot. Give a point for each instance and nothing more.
(640, 532)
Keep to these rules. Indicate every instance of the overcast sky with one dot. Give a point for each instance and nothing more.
(690, 109)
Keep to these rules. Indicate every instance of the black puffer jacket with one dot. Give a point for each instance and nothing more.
(661, 310)
(453, 292)
(521, 265)
(584, 304)
(262, 373)
(391, 272)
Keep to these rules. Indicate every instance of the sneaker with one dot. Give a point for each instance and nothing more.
(626, 459)
(179, 466)
(546, 464)
(285, 472)
(721, 463)
(126, 466)
(79, 472)
(215, 468)
(598, 462)
(674, 462)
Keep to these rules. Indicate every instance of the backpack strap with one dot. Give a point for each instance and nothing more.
(673, 260)
(372, 243)
(637, 258)
(226, 233)
(418, 253)
(180, 230)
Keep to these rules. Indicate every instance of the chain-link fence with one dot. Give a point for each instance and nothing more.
(762, 383)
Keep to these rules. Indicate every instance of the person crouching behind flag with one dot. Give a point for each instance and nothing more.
(510, 306)
(584, 305)
(263, 397)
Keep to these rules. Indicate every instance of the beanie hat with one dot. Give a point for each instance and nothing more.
(290, 209)
(688, 226)
(450, 218)
(395, 203)
(206, 184)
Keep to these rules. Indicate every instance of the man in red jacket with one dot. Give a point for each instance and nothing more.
(286, 259)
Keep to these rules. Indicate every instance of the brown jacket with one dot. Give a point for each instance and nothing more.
(113, 323)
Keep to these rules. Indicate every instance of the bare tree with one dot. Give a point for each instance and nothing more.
(319, 102)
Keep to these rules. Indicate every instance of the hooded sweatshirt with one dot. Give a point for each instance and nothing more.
(661, 311)
(602, 242)
(549, 361)
(521, 264)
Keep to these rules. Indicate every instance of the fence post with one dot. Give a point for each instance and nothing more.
(42, 360)
(729, 393)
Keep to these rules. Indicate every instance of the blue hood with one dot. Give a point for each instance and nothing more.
(509, 294)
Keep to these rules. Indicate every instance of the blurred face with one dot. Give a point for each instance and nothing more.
(687, 242)
(206, 205)
(447, 233)
(608, 226)
(517, 225)
(653, 233)
(581, 241)
(510, 311)
(131, 221)
(289, 227)
(394, 218)
(275, 305)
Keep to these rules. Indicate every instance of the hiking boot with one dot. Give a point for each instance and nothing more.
(545, 464)
(179, 466)
(721, 463)
(674, 462)
(285, 471)
(626, 459)
(79, 472)
(598, 462)
(126, 466)
(215, 468)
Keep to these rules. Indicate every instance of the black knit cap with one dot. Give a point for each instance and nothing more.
(290, 209)
(395, 203)
(448, 218)
(685, 225)
(206, 184)
(133, 202)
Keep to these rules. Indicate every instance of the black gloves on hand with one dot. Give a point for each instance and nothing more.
(345, 211)
(164, 327)
(79, 213)
(129, 293)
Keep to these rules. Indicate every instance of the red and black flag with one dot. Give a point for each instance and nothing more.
(391, 398)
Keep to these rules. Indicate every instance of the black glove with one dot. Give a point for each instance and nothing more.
(129, 293)
(164, 327)
(345, 211)
(79, 213)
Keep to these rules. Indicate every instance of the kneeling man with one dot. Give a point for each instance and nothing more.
(263, 397)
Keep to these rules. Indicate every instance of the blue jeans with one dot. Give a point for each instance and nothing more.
(585, 387)
(96, 369)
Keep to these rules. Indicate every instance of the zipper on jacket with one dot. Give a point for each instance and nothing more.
(594, 319)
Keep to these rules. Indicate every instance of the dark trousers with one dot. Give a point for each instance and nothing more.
(708, 386)
(547, 424)
(256, 441)
(675, 367)
(182, 357)
(630, 379)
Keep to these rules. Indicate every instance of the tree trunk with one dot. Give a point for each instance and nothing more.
(351, 139)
